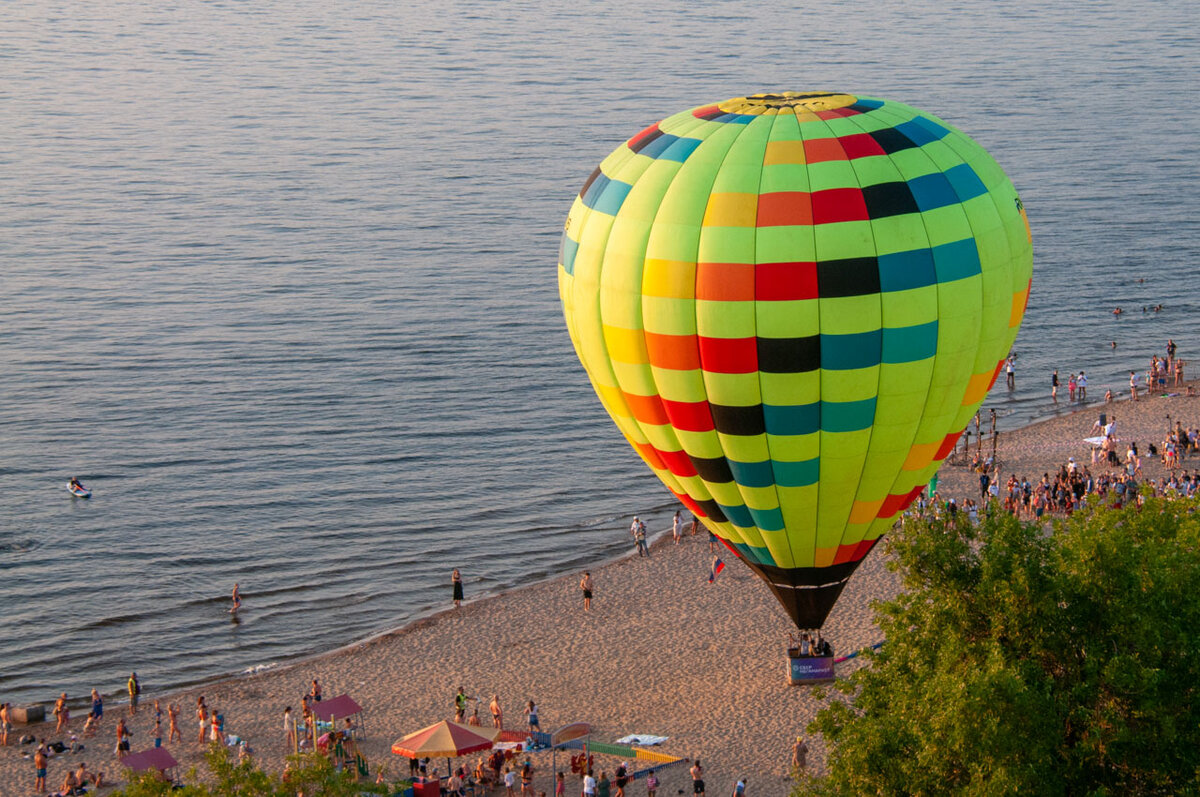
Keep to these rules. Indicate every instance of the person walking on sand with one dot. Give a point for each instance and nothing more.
(497, 714)
(589, 784)
(1133, 385)
(585, 584)
(62, 713)
(739, 788)
(456, 584)
(135, 689)
(800, 755)
(5, 723)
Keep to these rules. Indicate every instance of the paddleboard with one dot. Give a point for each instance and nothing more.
(78, 492)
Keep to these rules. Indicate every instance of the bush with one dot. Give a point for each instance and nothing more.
(1025, 661)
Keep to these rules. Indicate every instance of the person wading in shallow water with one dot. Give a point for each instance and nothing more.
(456, 583)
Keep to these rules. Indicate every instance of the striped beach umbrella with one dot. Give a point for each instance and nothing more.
(445, 739)
(791, 305)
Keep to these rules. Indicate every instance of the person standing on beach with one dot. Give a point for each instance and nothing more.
(173, 731)
(456, 583)
(460, 704)
(135, 689)
(1133, 385)
(1081, 384)
(531, 715)
(677, 526)
(289, 729)
(497, 714)
(97, 707)
(1054, 386)
(800, 755)
(202, 716)
(585, 584)
(5, 723)
(638, 530)
(739, 788)
(697, 773)
(589, 785)
(61, 713)
(39, 765)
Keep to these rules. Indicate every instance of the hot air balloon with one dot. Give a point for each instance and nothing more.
(792, 304)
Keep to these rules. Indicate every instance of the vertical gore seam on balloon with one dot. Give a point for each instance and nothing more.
(879, 368)
(929, 384)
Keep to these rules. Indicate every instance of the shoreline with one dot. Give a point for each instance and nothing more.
(661, 653)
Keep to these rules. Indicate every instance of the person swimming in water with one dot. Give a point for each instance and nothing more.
(237, 599)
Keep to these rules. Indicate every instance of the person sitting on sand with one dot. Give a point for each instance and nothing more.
(315, 691)
(474, 718)
(84, 777)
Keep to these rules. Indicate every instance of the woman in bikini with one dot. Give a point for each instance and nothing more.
(62, 713)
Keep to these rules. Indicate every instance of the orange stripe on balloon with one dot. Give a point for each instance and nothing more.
(1019, 301)
(675, 352)
(725, 282)
(646, 409)
(977, 388)
(650, 454)
(920, 455)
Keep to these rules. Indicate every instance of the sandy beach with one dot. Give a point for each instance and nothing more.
(662, 652)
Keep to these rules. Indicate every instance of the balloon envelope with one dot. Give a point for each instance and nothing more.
(791, 305)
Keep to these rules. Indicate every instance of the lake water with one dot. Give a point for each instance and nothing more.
(278, 281)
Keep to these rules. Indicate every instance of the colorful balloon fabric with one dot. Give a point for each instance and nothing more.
(791, 305)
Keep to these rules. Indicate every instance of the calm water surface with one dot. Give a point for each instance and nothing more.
(277, 280)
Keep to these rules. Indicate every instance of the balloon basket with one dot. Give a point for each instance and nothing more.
(805, 670)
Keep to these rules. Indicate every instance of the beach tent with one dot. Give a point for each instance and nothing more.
(337, 708)
(154, 758)
(446, 739)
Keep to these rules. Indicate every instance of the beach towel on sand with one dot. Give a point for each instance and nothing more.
(643, 739)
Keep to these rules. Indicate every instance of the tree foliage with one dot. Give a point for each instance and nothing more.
(1034, 661)
(306, 774)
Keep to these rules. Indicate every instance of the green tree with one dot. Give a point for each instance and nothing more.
(1028, 660)
(307, 773)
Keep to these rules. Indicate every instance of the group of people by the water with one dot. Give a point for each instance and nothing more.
(1164, 373)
